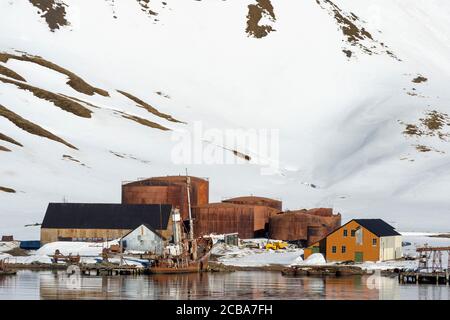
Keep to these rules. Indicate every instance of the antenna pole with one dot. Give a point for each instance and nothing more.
(191, 222)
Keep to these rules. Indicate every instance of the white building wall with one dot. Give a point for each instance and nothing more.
(390, 248)
(143, 239)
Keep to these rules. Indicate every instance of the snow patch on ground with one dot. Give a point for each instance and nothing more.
(36, 258)
(75, 248)
(315, 259)
(4, 256)
(90, 253)
(248, 257)
(6, 246)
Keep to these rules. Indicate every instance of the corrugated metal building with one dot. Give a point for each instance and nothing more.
(167, 190)
(100, 222)
(360, 240)
(303, 226)
(144, 239)
(247, 220)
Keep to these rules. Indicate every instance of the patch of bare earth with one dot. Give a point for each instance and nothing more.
(75, 81)
(422, 148)
(10, 73)
(241, 155)
(128, 156)
(238, 154)
(420, 79)
(145, 7)
(2, 148)
(144, 122)
(256, 12)
(162, 94)
(70, 158)
(8, 190)
(148, 107)
(434, 124)
(58, 100)
(9, 139)
(355, 35)
(30, 127)
(81, 101)
(53, 11)
(17, 252)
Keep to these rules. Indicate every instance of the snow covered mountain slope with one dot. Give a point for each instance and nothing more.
(93, 93)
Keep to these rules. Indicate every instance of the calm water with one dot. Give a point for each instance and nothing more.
(236, 285)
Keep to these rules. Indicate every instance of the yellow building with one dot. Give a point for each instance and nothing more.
(360, 240)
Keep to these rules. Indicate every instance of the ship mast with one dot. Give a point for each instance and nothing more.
(191, 222)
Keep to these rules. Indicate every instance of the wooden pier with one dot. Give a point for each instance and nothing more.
(102, 270)
(424, 278)
(431, 269)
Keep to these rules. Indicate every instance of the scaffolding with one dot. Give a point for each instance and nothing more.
(431, 258)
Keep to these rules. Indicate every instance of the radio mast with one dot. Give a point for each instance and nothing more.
(191, 222)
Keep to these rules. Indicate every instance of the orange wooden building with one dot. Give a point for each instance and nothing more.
(360, 240)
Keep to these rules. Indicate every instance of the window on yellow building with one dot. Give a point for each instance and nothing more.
(344, 249)
(345, 232)
(353, 233)
(333, 249)
(374, 241)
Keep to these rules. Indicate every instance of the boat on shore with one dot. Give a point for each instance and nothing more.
(185, 254)
(192, 267)
(5, 271)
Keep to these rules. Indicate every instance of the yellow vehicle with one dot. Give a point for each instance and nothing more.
(276, 245)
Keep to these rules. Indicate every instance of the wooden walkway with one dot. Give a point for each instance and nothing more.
(99, 270)
(424, 278)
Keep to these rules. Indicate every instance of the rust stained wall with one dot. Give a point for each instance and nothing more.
(167, 190)
(261, 219)
(257, 201)
(229, 218)
(306, 225)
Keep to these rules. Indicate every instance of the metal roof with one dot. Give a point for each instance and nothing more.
(106, 216)
(251, 198)
(378, 227)
(166, 180)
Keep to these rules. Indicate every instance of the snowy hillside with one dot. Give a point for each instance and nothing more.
(93, 93)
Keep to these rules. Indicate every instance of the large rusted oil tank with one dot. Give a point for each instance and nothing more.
(257, 201)
(305, 226)
(248, 221)
(167, 190)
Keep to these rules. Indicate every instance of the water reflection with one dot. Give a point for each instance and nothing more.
(236, 285)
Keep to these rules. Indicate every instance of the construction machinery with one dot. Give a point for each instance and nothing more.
(276, 245)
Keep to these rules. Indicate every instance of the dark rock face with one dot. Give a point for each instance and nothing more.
(53, 11)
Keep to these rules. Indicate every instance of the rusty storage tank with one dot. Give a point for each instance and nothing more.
(257, 201)
(304, 226)
(248, 221)
(314, 234)
(167, 190)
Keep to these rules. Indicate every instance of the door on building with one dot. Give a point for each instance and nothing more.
(359, 257)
